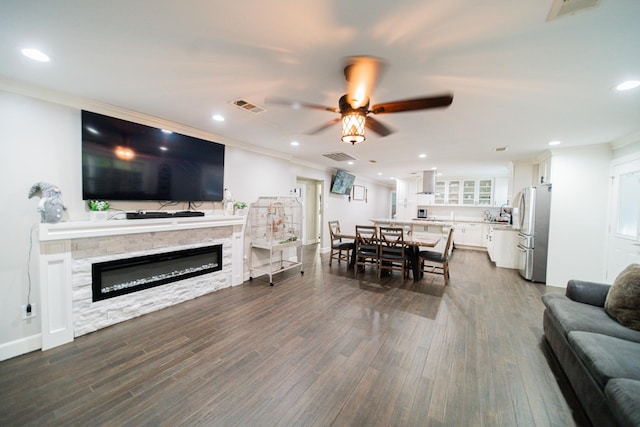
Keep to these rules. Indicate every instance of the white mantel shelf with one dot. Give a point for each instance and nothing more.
(83, 229)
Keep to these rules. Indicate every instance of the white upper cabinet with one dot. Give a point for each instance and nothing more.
(439, 197)
(465, 192)
(469, 191)
(544, 171)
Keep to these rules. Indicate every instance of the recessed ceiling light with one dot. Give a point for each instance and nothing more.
(218, 118)
(439, 174)
(434, 168)
(35, 54)
(391, 177)
(555, 142)
(379, 173)
(628, 85)
(422, 156)
(350, 162)
(295, 143)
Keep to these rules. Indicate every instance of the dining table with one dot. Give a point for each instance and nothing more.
(413, 242)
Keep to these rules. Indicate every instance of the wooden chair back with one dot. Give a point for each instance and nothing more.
(366, 245)
(392, 255)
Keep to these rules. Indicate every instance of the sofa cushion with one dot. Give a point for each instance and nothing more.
(623, 299)
(575, 316)
(622, 394)
(606, 357)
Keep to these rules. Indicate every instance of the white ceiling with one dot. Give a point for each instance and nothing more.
(518, 80)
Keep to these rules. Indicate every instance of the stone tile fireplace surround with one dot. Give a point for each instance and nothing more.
(68, 249)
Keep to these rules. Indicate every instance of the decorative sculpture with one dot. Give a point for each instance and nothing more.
(51, 206)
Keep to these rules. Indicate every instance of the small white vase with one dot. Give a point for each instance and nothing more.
(98, 215)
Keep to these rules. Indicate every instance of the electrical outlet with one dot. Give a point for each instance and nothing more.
(26, 315)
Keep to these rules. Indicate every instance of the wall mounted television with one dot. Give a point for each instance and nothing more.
(122, 160)
(342, 182)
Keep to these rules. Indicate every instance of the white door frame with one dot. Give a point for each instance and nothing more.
(621, 250)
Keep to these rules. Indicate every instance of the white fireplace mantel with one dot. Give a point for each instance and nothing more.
(83, 229)
(56, 305)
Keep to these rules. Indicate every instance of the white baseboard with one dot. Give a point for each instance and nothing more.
(21, 346)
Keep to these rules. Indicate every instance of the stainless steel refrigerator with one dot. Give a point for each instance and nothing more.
(533, 239)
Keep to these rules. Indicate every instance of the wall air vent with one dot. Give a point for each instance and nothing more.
(569, 7)
(500, 149)
(248, 106)
(339, 157)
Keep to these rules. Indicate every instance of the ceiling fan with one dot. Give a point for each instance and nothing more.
(361, 73)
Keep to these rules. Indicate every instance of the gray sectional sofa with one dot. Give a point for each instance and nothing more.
(600, 357)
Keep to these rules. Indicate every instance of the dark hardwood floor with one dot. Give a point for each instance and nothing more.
(324, 348)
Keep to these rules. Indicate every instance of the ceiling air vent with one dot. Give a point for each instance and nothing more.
(249, 106)
(568, 7)
(339, 157)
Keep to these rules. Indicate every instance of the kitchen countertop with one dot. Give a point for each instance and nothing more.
(496, 225)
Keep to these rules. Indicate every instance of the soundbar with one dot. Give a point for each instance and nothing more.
(159, 214)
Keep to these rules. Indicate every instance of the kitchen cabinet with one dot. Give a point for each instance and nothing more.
(484, 195)
(468, 234)
(469, 189)
(439, 197)
(407, 191)
(465, 192)
(489, 244)
(453, 192)
(502, 245)
(500, 191)
(544, 171)
(407, 197)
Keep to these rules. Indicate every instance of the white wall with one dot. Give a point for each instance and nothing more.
(579, 214)
(41, 142)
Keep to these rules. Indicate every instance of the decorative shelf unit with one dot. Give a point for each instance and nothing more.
(275, 236)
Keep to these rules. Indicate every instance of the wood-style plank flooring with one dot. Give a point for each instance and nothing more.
(327, 348)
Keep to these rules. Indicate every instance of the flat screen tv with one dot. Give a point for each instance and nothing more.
(122, 160)
(342, 182)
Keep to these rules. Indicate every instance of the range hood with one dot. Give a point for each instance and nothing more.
(428, 182)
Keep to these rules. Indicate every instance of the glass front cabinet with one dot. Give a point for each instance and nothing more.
(468, 192)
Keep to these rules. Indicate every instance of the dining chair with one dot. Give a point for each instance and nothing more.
(339, 249)
(436, 262)
(392, 253)
(366, 246)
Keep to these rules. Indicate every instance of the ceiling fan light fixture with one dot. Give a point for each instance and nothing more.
(353, 127)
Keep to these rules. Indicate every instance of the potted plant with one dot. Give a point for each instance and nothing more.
(240, 208)
(98, 209)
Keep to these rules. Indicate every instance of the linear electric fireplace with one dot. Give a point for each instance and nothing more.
(123, 276)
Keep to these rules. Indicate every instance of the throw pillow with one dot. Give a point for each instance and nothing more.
(623, 299)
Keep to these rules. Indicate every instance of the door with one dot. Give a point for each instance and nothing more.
(624, 232)
(312, 210)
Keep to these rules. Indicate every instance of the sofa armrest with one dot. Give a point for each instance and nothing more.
(587, 292)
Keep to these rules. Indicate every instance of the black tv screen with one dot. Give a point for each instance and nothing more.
(122, 160)
(342, 183)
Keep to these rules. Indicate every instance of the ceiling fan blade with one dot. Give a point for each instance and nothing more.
(377, 127)
(323, 126)
(296, 105)
(413, 104)
(362, 73)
